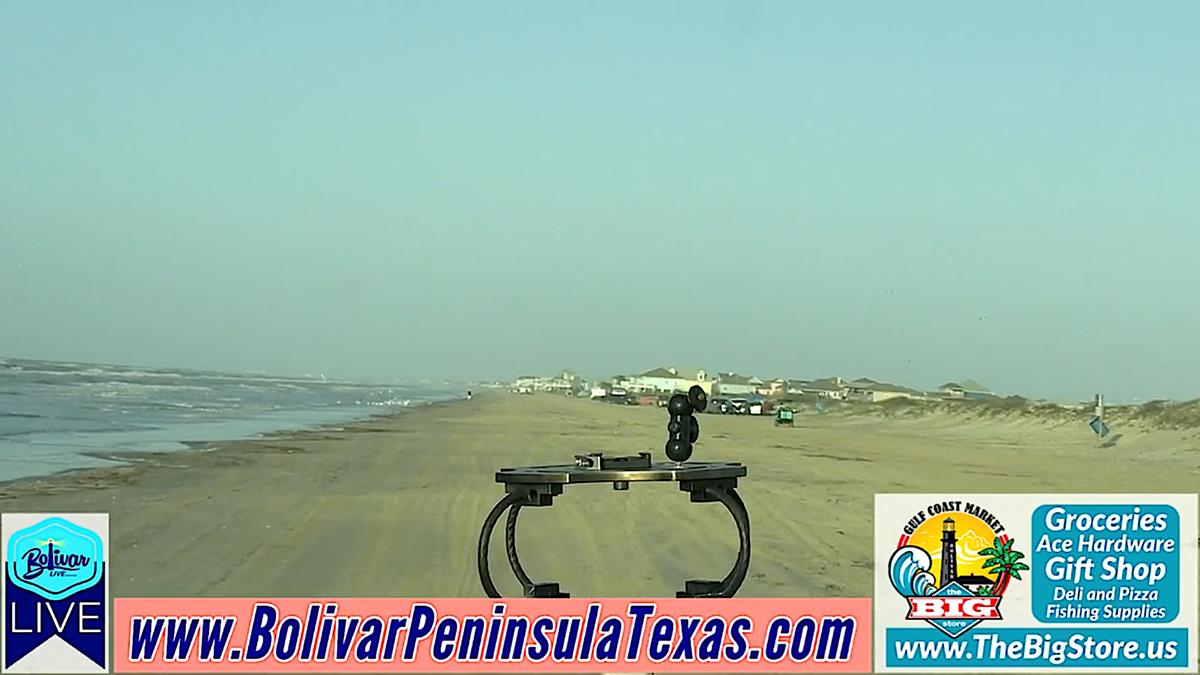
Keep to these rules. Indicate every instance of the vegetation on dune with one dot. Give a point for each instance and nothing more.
(1152, 415)
(1163, 414)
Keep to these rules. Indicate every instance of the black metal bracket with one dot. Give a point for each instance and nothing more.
(521, 495)
(722, 490)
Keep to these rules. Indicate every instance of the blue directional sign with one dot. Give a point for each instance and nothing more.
(1099, 427)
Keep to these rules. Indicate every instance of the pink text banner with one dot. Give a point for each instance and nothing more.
(375, 635)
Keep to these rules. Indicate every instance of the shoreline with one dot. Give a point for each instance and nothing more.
(60, 417)
(128, 463)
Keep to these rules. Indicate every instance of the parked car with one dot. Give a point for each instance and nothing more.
(719, 406)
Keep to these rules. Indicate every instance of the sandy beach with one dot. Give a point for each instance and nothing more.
(392, 506)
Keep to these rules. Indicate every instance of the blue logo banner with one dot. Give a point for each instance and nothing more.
(55, 589)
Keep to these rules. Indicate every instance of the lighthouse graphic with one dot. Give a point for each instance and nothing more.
(949, 574)
(949, 554)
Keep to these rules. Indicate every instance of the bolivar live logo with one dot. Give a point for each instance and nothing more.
(975, 563)
(55, 593)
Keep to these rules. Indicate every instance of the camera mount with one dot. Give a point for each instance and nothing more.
(537, 486)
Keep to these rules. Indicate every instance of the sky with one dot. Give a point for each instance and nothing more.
(913, 192)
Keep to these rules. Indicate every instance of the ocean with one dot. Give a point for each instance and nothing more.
(57, 416)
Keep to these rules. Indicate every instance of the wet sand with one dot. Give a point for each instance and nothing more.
(393, 506)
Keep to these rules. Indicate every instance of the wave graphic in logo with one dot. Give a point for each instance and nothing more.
(908, 570)
(55, 559)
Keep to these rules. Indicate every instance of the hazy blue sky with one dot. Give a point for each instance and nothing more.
(908, 191)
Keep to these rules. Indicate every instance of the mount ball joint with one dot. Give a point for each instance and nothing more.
(684, 429)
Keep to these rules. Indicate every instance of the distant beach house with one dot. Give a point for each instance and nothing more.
(965, 389)
(868, 390)
(565, 382)
(952, 390)
(794, 386)
(732, 384)
(826, 387)
(776, 387)
(528, 382)
(669, 379)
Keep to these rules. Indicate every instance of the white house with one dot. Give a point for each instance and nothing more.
(565, 382)
(732, 384)
(871, 391)
(826, 387)
(967, 389)
(666, 380)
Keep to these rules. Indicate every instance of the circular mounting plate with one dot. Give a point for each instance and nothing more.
(560, 474)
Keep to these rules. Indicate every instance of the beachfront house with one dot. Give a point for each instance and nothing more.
(565, 382)
(668, 379)
(952, 390)
(826, 387)
(966, 389)
(732, 384)
(794, 386)
(528, 383)
(625, 382)
(773, 388)
(869, 391)
(700, 377)
(972, 389)
(656, 380)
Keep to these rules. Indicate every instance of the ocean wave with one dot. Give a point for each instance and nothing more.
(78, 405)
(401, 402)
(136, 373)
(57, 436)
(120, 388)
(908, 570)
(94, 371)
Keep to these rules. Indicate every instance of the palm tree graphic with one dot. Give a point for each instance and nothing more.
(1002, 560)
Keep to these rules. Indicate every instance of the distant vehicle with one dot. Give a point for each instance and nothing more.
(620, 396)
(784, 416)
(720, 406)
(738, 406)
